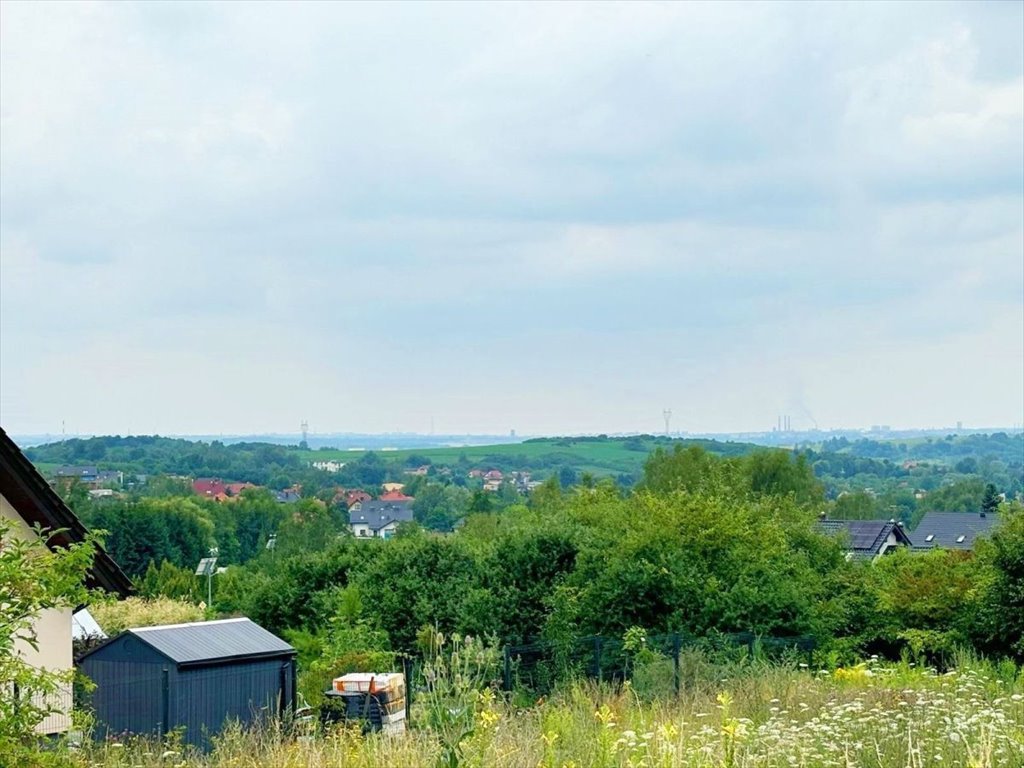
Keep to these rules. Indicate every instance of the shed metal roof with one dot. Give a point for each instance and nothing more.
(83, 626)
(210, 641)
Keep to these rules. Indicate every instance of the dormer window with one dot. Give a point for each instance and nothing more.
(930, 537)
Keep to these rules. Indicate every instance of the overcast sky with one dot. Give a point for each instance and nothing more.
(555, 218)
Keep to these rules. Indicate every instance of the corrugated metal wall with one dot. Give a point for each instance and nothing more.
(128, 696)
(135, 686)
(204, 699)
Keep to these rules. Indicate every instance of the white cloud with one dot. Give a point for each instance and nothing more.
(570, 210)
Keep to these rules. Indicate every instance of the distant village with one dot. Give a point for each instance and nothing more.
(370, 516)
(380, 515)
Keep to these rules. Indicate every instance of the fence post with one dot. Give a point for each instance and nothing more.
(506, 671)
(409, 670)
(677, 647)
(165, 701)
(597, 658)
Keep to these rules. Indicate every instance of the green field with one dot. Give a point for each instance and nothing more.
(599, 456)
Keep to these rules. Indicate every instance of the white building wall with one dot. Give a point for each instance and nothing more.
(890, 542)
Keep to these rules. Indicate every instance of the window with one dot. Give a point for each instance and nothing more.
(930, 537)
(960, 539)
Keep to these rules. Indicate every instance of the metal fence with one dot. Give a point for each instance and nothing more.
(539, 666)
(56, 706)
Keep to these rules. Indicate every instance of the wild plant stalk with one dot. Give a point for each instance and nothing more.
(869, 715)
(455, 673)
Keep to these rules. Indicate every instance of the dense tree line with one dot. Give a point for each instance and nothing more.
(890, 473)
(702, 543)
(705, 544)
(260, 463)
(181, 530)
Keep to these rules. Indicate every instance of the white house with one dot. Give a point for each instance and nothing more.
(329, 466)
(379, 519)
(27, 500)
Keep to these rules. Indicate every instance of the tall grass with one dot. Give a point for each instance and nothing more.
(872, 715)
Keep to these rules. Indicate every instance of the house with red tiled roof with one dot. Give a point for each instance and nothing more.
(354, 496)
(349, 496)
(209, 487)
(395, 496)
(235, 489)
(218, 490)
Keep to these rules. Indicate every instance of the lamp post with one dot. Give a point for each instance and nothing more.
(207, 567)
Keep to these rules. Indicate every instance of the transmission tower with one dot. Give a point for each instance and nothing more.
(667, 414)
(304, 426)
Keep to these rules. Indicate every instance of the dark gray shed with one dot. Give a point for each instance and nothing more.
(153, 680)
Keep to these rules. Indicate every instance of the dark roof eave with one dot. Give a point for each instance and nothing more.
(38, 504)
(237, 658)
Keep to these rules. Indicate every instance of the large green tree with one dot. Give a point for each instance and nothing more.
(1004, 553)
(695, 562)
(153, 530)
(438, 507)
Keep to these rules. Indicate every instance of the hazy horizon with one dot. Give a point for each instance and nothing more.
(873, 430)
(466, 219)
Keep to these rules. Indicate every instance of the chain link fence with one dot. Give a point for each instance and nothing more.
(663, 661)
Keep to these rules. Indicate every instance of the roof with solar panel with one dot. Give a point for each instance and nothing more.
(867, 539)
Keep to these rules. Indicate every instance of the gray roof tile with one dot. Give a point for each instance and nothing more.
(377, 514)
(946, 529)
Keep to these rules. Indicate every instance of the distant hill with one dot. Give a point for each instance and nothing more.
(259, 462)
(843, 464)
(598, 455)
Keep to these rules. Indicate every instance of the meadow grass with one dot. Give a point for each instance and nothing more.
(873, 715)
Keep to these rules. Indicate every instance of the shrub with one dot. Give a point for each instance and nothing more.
(33, 578)
(115, 617)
